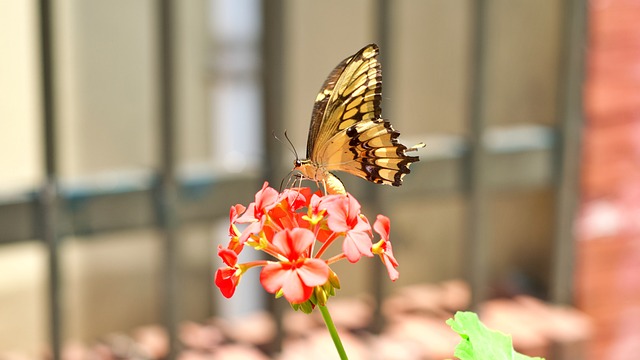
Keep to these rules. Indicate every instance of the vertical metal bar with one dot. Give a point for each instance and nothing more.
(569, 128)
(377, 273)
(49, 192)
(273, 80)
(477, 247)
(168, 193)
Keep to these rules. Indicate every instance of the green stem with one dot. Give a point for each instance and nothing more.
(334, 333)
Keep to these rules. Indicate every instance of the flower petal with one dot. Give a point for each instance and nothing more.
(336, 208)
(249, 215)
(343, 211)
(293, 243)
(253, 228)
(266, 198)
(295, 291)
(234, 213)
(356, 244)
(314, 272)
(227, 281)
(382, 226)
(273, 276)
(296, 198)
(301, 240)
(362, 225)
(391, 269)
(228, 256)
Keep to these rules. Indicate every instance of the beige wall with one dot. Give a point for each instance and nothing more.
(22, 266)
(108, 86)
(20, 145)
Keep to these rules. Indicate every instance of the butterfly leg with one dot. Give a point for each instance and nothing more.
(324, 186)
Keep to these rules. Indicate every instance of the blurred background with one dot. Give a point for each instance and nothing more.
(128, 129)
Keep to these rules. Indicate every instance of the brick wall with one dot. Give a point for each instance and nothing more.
(608, 249)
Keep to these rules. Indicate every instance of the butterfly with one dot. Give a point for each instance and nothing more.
(347, 133)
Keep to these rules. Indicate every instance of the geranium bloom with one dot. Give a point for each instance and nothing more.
(296, 274)
(264, 200)
(295, 228)
(227, 280)
(383, 247)
(344, 217)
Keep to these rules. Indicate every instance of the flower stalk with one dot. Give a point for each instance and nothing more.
(333, 332)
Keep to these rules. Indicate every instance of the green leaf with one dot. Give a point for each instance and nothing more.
(480, 343)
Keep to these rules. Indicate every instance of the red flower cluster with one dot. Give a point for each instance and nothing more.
(289, 226)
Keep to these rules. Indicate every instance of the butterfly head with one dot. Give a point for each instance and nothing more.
(302, 165)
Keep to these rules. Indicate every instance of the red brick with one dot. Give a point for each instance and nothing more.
(612, 101)
(606, 268)
(611, 158)
(600, 182)
(614, 25)
(613, 66)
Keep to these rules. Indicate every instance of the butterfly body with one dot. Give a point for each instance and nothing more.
(347, 133)
(318, 173)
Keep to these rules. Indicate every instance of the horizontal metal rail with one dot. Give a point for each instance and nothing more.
(519, 157)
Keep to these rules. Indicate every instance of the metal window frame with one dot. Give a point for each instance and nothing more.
(167, 199)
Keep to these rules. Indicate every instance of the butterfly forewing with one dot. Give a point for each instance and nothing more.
(354, 94)
(321, 103)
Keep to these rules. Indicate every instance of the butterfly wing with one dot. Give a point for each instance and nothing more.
(347, 133)
(320, 104)
(370, 150)
(343, 95)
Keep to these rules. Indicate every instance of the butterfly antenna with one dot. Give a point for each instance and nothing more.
(292, 149)
(290, 143)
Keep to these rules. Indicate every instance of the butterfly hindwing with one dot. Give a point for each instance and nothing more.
(371, 151)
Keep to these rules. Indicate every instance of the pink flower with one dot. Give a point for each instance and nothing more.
(344, 217)
(252, 229)
(234, 213)
(383, 247)
(296, 198)
(235, 244)
(265, 199)
(227, 280)
(228, 256)
(296, 274)
(287, 226)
